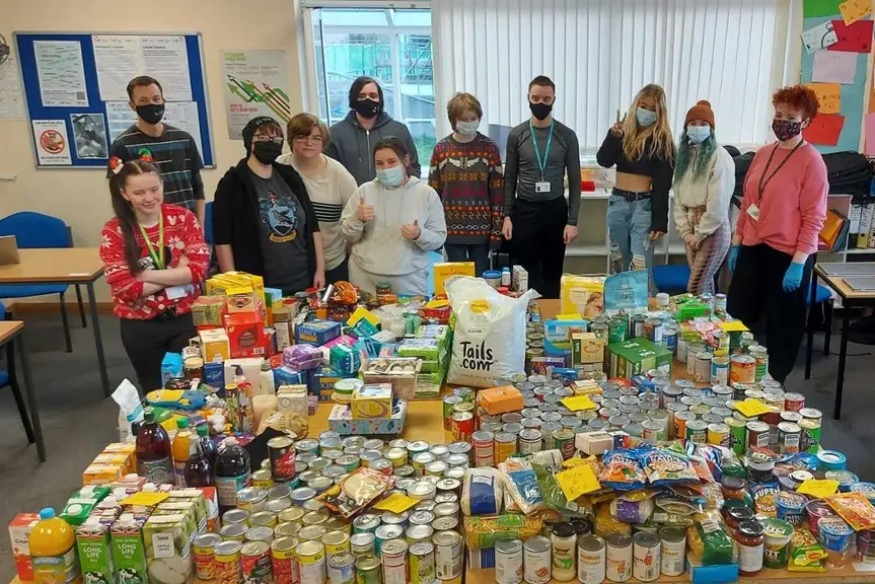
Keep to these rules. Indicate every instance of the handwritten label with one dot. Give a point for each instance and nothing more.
(396, 503)
(578, 402)
(578, 480)
(818, 488)
(751, 408)
(829, 97)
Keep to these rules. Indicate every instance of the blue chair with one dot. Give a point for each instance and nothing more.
(8, 378)
(671, 278)
(35, 230)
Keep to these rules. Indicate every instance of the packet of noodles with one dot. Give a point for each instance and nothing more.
(855, 509)
(806, 554)
(623, 470)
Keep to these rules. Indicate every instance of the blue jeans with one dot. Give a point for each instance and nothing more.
(479, 254)
(629, 233)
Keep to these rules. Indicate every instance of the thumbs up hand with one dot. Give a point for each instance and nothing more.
(365, 212)
(412, 230)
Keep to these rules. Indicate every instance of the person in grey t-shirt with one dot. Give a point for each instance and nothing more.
(538, 221)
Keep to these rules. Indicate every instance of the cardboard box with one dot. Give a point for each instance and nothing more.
(288, 376)
(340, 420)
(245, 334)
(372, 400)
(19, 534)
(636, 356)
(594, 443)
(446, 270)
(207, 311)
(558, 333)
(520, 279)
(400, 373)
(317, 332)
(586, 348)
(251, 371)
(363, 313)
(215, 345)
(499, 400)
(321, 382)
(292, 398)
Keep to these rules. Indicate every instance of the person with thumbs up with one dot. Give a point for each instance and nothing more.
(392, 223)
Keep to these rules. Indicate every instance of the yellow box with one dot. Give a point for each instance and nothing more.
(102, 474)
(447, 269)
(586, 348)
(583, 295)
(372, 400)
(363, 313)
(215, 345)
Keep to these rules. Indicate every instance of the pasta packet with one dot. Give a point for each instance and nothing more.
(634, 507)
(623, 470)
(521, 487)
(664, 467)
(709, 539)
(854, 508)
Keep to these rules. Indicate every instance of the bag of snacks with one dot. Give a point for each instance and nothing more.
(358, 490)
(482, 492)
(482, 532)
(664, 467)
(806, 555)
(709, 539)
(623, 470)
(854, 508)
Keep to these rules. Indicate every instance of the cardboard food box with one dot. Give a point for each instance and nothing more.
(446, 270)
(207, 311)
(520, 279)
(400, 372)
(499, 400)
(245, 334)
(341, 420)
(636, 356)
(215, 345)
(19, 534)
(586, 348)
(317, 332)
(372, 400)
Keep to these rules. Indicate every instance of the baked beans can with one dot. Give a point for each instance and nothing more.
(393, 554)
(483, 444)
(367, 570)
(335, 542)
(530, 441)
(255, 562)
(261, 479)
(282, 458)
(563, 440)
(761, 356)
(646, 556)
(718, 435)
(505, 446)
(341, 569)
(422, 569)
(283, 560)
(204, 554)
(509, 562)
(591, 560)
(537, 561)
(448, 555)
(810, 435)
(618, 564)
(680, 421)
(794, 402)
(227, 563)
(720, 371)
(789, 437)
(311, 559)
(697, 431)
(449, 403)
(758, 435)
(742, 369)
(463, 425)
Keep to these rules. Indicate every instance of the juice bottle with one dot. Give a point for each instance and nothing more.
(53, 549)
(153, 451)
(182, 449)
(199, 468)
(232, 473)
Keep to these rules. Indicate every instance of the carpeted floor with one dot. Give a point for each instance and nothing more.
(77, 421)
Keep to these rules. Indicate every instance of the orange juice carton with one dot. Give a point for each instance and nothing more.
(19, 534)
(245, 334)
(102, 474)
(499, 400)
(129, 449)
(371, 400)
(215, 345)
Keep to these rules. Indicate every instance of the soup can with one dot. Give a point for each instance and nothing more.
(530, 441)
(362, 544)
(742, 369)
(483, 445)
(718, 435)
(462, 425)
(761, 356)
(449, 556)
(789, 437)
(204, 554)
(393, 554)
(537, 563)
(284, 562)
(618, 565)
(449, 403)
(646, 556)
(255, 562)
(341, 569)
(591, 560)
(282, 454)
(367, 570)
(422, 568)
(810, 435)
(720, 370)
(702, 367)
(505, 446)
(697, 431)
(509, 562)
(673, 550)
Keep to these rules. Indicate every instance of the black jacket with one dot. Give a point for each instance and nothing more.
(236, 216)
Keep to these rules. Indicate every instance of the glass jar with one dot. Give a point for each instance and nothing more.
(564, 542)
(733, 487)
(750, 539)
(737, 515)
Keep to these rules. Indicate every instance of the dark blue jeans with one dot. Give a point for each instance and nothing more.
(479, 254)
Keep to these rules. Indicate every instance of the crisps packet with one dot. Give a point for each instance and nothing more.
(855, 509)
(623, 470)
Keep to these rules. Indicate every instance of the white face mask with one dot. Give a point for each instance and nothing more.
(467, 128)
(392, 177)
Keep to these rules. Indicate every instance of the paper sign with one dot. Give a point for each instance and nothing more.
(145, 499)
(52, 142)
(818, 488)
(751, 408)
(819, 37)
(854, 10)
(834, 67)
(856, 38)
(829, 97)
(572, 462)
(578, 402)
(396, 503)
(577, 481)
(733, 326)
(824, 129)
(870, 135)
(820, 8)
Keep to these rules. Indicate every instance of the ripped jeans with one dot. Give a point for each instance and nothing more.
(629, 232)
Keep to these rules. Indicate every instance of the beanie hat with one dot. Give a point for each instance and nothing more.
(252, 127)
(701, 111)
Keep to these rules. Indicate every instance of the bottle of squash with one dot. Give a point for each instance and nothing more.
(53, 550)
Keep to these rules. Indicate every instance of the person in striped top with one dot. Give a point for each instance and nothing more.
(172, 150)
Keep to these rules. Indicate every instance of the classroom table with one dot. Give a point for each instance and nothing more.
(11, 337)
(850, 299)
(70, 266)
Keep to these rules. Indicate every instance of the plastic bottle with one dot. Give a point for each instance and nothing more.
(198, 470)
(209, 447)
(53, 550)
(505, 276)
(153, 451)
(267, 386)
(183, 446)
(233, 472)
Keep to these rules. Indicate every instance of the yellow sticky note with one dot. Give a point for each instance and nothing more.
(572, 462)
(818, 488)
(751, 408)
(854, 10)
(829, 97)
(733, 326)
(578, 480)
(578, 402)
(396, 503)
(570, 316)
(145, 499)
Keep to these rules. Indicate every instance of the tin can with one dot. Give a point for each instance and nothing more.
(367, 523)
(362, 544)
(284, 562)
(591, 560)
(646, 556)
(697, 431)
(448, 555)
(618, 564)
(718, 435)
(810, 435)
(509, 562)
(311, 559)
(483, 445)
(234, 532)
(761, 356)
(393, 554)
(742, 369)
(466, 393)
(794, 402)
(720, 370)
(789, 437)
(505, 446)
(462, 425)
(674, 550)
(341, 569)
(417, 533)
(653, 431)
(367, 570)
(204, 554)
(251, 499)
(702, 366)
(422, 568)
(293, 514)
(737, 435)
(286, 529)
(259, 533)
(235, 516)
(227, 562)
(421, 517)
(282, 455)
(617, 330)
(261, 479)
(445, 524)
(537, 565)
(757, 435)
(653, 330)
(680, 421)
(398, 456)
(312, 533)
(385, 533)
(449, 403)
(335, 542)
(530, 441)
(563, 440)
(255, 562)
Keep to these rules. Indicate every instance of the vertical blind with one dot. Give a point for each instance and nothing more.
(601, 52)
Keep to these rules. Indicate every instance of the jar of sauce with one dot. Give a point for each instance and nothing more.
(750, 539)
(735, 516)
(733, 487)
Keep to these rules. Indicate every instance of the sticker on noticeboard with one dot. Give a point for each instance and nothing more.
(52, 146)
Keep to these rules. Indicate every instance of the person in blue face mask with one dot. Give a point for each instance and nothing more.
(704, 180)
(392, 223)
(642, 148)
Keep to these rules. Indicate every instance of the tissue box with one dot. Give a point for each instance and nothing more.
(586, 348)
(372, 400)
(499, 400)
(292, 398)
(399, 373)
(215, 345)
(321, 382)
(245, 334)
(340, 420)
(636, 356)
(317, 332)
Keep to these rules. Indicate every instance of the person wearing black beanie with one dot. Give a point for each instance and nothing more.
(263, 220)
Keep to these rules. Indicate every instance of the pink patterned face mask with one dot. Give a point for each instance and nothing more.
(785, 130)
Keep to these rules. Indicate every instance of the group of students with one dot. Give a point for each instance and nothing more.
(348, 204)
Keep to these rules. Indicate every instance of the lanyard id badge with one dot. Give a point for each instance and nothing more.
(157, 256)
(542, 186)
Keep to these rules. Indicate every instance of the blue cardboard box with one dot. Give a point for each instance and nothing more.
(321, 382)
(214, 376)
(317, 332)
(288, 376)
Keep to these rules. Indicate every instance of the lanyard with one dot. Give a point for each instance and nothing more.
(542, 163)
(764, 180)
(158, 259)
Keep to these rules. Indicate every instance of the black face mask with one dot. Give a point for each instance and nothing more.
(541, 110)
(267, 152)
(151, 113)
(367, 108)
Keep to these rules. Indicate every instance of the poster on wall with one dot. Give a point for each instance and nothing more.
(52, 148)
(182, 115)
(254, 85)
(61, 73)
(11, 95)
(120, 58)
(89, 134)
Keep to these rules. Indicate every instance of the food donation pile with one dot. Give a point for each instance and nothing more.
(586, 449)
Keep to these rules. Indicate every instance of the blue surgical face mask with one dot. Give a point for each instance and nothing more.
(698, 134)
(392, 177)
(467, 128)
(645, 117)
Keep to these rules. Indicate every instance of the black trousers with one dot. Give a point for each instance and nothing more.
(757, 291)
(341, 272)
(538, 244)
(146, 342)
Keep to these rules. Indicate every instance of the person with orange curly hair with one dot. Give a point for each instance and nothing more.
(782, 212)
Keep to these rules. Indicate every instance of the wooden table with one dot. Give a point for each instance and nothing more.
(10, 336)
(70, 266)
(850, 299)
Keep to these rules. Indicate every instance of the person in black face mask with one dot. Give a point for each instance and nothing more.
(174, 151)
(353, 139)
(263, 220)
(538, 221)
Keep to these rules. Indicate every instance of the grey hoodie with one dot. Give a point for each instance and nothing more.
(353, 146)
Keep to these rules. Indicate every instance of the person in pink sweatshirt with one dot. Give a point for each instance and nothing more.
(782, 212)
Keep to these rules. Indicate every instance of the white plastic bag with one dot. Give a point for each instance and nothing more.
(489, 340)
(130, 409)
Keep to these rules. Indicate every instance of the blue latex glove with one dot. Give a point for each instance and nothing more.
(793, 277)
(733, 257)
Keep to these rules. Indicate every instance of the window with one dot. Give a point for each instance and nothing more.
(601, 52)
(390, 45)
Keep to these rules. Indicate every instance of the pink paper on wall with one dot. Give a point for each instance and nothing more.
(869, 149)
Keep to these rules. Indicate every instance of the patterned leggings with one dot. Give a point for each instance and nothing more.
(706, 261)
